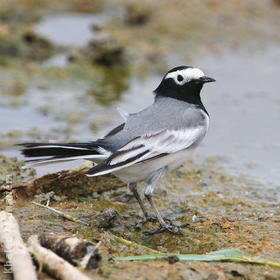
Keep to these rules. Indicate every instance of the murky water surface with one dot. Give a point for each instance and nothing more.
(70, 29)
(244, 106)
(244, 103)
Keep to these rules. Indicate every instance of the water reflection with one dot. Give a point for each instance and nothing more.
(110, 84)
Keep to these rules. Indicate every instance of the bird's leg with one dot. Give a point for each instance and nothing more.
(148, 217)
(148, 191)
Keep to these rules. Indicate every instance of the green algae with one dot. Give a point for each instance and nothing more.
(110, 84)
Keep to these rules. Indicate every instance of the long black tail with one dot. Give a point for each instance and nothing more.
(45, 153)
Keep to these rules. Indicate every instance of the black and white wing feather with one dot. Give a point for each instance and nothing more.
(147, 147)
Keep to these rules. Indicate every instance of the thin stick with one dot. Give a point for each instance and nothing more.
(55, 265)
(66, 216)
(134, 244)
(11, 187)
(255, 261)
(19, 261)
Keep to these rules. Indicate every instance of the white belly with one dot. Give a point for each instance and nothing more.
(142, 171)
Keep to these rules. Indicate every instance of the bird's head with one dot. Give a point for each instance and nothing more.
(183, 83)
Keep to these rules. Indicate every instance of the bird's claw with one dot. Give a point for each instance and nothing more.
(150, 218)
(170, 228)
(153, 218)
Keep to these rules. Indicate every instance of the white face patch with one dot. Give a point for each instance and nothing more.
(186, 75)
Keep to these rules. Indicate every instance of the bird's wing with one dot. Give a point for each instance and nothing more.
(115, 130)
(148, 146)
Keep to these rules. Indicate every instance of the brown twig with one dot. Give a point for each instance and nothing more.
(12, 187)
(77, 251)
(52, 263)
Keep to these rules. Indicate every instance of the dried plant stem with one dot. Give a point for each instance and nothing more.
(211, 257)
(255, 261)
(11, 187)
(66, 216)
(134, 244)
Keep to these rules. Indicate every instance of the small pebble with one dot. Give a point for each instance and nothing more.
(194, 218)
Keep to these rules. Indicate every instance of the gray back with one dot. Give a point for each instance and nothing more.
(164, 113)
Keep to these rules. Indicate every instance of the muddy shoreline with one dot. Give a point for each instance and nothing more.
(229, 212)
(228, 194)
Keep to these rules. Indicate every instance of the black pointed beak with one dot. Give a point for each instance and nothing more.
(206, 79)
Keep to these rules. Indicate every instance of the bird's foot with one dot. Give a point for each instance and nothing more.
(150, 218)
(153, 218)
(170, 228)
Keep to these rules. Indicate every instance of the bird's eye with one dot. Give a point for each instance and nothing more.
(180, 78)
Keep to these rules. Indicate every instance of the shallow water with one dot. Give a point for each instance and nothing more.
(243, 104)
(78, 32)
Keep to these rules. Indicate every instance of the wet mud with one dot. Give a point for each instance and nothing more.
(224, 209)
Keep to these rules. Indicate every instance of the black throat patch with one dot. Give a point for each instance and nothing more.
(189, 92)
